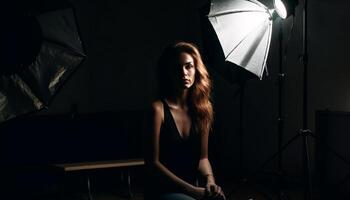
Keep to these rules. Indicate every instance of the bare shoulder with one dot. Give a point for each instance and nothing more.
(157, 105)
(158, 109)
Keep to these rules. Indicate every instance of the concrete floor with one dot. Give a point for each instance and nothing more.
(106, 185)
(233, 191)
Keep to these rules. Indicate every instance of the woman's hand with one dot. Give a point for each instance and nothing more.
(213, 191)
(198, 193)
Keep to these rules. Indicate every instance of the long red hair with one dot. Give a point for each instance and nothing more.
(200, 106)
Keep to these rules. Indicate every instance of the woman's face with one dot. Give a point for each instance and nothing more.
(184, 72)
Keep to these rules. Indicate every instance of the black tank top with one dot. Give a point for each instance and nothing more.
(180, 155)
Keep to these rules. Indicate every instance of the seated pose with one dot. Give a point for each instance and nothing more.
(178, 129)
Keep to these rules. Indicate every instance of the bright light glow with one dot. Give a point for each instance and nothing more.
(280, 8)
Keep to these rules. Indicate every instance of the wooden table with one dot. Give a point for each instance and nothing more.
(99, 165)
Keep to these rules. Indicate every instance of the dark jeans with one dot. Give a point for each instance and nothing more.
(169, 196)
(175, 196)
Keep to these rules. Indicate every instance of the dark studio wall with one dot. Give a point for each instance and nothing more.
(123, 40)
(328, 28)
(327, 41)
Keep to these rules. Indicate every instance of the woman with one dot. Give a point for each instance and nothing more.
(178, 132)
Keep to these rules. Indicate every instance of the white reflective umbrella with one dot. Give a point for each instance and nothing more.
(244, 30)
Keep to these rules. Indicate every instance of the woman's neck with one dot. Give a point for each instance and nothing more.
(179, 100)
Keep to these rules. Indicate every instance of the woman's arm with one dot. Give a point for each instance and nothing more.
(204, 164)
(157, 118)
(213, 190)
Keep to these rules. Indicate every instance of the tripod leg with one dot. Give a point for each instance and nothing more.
(270, 159)
(332, 150)
(307, 169)
(277, 153)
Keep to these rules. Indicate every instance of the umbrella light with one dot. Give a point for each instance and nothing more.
(285, 8)
(29, 84)
(244, 29)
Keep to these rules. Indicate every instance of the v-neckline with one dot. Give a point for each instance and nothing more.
(180, 135)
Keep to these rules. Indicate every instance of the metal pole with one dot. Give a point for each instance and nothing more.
(281, 77)
(305, 131)
(241, 103)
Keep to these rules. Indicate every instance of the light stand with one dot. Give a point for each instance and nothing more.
(280, 119)
(281, 79)
(304, 132)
